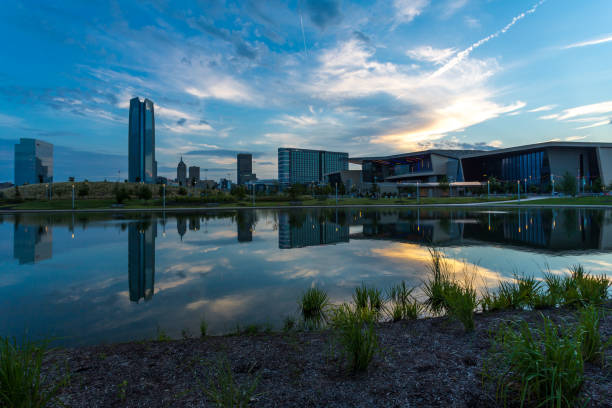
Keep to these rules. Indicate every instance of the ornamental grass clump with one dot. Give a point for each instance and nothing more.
(403, 306)
(540, 367)
(438, 283)
(461, 302)
(355, 332)
(312, 306)
(370, 298)
(587, 332)
(581, 288)
(225, 392)
(22, 383)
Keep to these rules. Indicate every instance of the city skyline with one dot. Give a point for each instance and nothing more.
(369, 78)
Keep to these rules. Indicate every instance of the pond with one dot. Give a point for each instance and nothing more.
(107, 277)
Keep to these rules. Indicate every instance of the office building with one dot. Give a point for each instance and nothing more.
(535, 164)
(141, 260)
(244, 168)
(181, 173)
(302, 166)
(33, 162)
(32, 243)
(142, 165)
(194, 174)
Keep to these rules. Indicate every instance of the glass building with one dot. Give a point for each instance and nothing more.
(33, 162)
(32, 242)
(302, 166)
(244, 168)
(142, 164)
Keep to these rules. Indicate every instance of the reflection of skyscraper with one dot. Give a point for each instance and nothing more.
(141, 148)
(244, 225)
(141, 260)
(301, 230)
(32, 243)
(194, 223)
(181, 225)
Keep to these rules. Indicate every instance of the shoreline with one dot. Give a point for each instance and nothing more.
(496, 204)
(427, 362)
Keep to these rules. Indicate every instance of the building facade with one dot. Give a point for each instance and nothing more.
(244, 168)
(141, 260)
(141, 150)
(303, 166)
(537, 164)
(33, 162)
(194, 174)
(181, 173)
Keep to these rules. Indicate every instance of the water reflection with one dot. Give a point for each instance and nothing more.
(141, 260)
(69, 276)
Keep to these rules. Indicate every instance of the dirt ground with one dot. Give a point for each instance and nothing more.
(424, 363)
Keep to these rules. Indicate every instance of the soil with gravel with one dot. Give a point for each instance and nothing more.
(424, 363)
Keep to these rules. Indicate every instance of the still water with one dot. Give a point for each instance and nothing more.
(96, 278)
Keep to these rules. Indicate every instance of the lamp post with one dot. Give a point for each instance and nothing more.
(73, 196)
(552, 179)
(418, 192)
(488, 189)
(518, 189)
(336, 193)
(164, 197)
(525, 186)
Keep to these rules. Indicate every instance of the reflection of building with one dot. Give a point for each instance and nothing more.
(304, 166)
(181, 173)
(194, 223)
(141, 148)
(33, 162)
(181, 226)
(141, 259)
(245, 221)
(32, 243)
(296, 230)
(244, 168)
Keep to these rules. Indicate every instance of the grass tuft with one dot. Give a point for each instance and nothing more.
(223, 390)
(369, 298)
(312, 306)
(403, 305)
(21, 381)
(203, 327)
(592, 345)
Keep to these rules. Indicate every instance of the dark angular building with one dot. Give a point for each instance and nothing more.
(141, 260)
(33, 162)
(141, 149)
(244, 168)
(181, 173)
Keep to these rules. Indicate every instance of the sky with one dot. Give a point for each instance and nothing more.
(363, 77)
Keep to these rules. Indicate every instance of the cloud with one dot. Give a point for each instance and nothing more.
(219, 153)
(429, 54)
(574, 138)
(452, 6)
(408, 10)
(581, 114)
(295, 121)
(361, 36)
(595, 108)
(463, 54)
(587, 43)
(241, 47)
(543, 108)
(323, 12)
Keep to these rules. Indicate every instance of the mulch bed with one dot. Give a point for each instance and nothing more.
(425, 363)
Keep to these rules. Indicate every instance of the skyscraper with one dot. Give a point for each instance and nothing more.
(194, 174)
(181, 172)
(304, 166)
(142, 164)
(33, 162)
(244, 168)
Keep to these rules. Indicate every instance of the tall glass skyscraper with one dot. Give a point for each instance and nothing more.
(303, 166)
(33, 162)
(141, 260)
(142, 164)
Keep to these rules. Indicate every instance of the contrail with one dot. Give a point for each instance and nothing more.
(463, 54)
(303, 35)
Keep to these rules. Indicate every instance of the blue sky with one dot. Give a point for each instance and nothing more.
(366, 77)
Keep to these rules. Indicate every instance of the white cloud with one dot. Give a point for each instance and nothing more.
(549, 117)
(595, 108)
(574, 138)
(295, 121)
(543, 108)
(452, 6)
(225, 88)
(590, 42)
(429, 54)
(407, 10)
(596, 124)
(168, 113)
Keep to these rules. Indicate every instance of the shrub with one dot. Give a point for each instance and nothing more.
(568, 184)
(203, 327)
(145, 193)
(581, 289)
(223, 390)
(182, 191)
(289, 323)
(312, 306)
(355, 332)
(461, 302)
(83, 189)
(21, 381)
(588, 334)
(121, 194)
(537, 367)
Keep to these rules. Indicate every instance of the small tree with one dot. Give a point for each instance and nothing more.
(145, 193)
(160, 191)
(568, 184)
(494, 185)
(121, 193)
(83, 189)
(182, 191)
(597, 186)
(238, 191)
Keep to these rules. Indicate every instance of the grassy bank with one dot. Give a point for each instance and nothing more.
(529, 342)
(598, 200)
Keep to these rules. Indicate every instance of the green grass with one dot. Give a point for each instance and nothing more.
(438, 282)
(370, 298)
(592, 344)
(356, 334)
(225, 392)
(599, 200)
(312, 306)
(403, 306)
(461, 303)
(22, 384)
(537, 367)
(203, 327)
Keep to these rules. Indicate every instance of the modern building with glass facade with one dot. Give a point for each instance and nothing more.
(33, 162)
(535, 164)
(244, 168)
(302, 166)
(142, 165)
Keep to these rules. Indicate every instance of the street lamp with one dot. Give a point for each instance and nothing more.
(418, 192)
(518, 189)
(73, 196)
(336, 193)
(488, 189)
(164, 197)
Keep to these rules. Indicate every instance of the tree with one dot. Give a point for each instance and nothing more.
(444, 184)
(238, 191)
(83, 189)
(160, 191)
(121, 193)
(182, 191)
(145, 193)
(568, 184)
(494, 185)
(597, 186)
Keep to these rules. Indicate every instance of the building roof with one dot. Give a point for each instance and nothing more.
(570, 145)
(455, 154)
